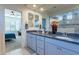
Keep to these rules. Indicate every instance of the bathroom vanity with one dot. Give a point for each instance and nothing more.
(49, 44)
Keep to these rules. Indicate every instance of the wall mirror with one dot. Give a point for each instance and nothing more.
(36, 21)
(30, 20)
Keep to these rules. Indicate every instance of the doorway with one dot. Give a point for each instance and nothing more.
(12, 30)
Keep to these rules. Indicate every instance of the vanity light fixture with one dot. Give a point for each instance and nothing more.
(12, 12)
(41, 9)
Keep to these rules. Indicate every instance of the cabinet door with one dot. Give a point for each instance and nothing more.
(40, 51)
(68, 52)
(33, 43)
(59, 51)
(28, 40)
(50, 49)
(40, 42)
(64, 44)
(40, 45)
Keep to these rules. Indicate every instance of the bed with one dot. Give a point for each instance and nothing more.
(10, 36)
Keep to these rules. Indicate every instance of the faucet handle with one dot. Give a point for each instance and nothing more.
(65, 34)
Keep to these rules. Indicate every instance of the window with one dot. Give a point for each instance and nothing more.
(60, 18)
(69, 16)
(12, 24)
(12, 20)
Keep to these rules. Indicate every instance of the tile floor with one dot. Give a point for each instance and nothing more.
(13, 44)
(21, 51)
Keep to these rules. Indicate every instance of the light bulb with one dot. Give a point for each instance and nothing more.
(34, 5)
(41, 9)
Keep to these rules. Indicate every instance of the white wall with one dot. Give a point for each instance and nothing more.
(24, 21)
(2, 27)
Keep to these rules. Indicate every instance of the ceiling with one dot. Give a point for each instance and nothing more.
(52, 9)
(49, 9)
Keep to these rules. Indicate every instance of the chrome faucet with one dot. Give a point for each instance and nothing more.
(65, 34)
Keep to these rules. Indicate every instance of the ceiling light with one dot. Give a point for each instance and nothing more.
(34, 5)
(41, 9)
(54, 7)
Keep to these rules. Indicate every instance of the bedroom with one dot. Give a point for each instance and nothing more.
(12, 29)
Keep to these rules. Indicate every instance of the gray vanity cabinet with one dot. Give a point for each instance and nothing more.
(51, 49)
(31, 41)
(40, 45)
(56, 47)
(51, 46)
